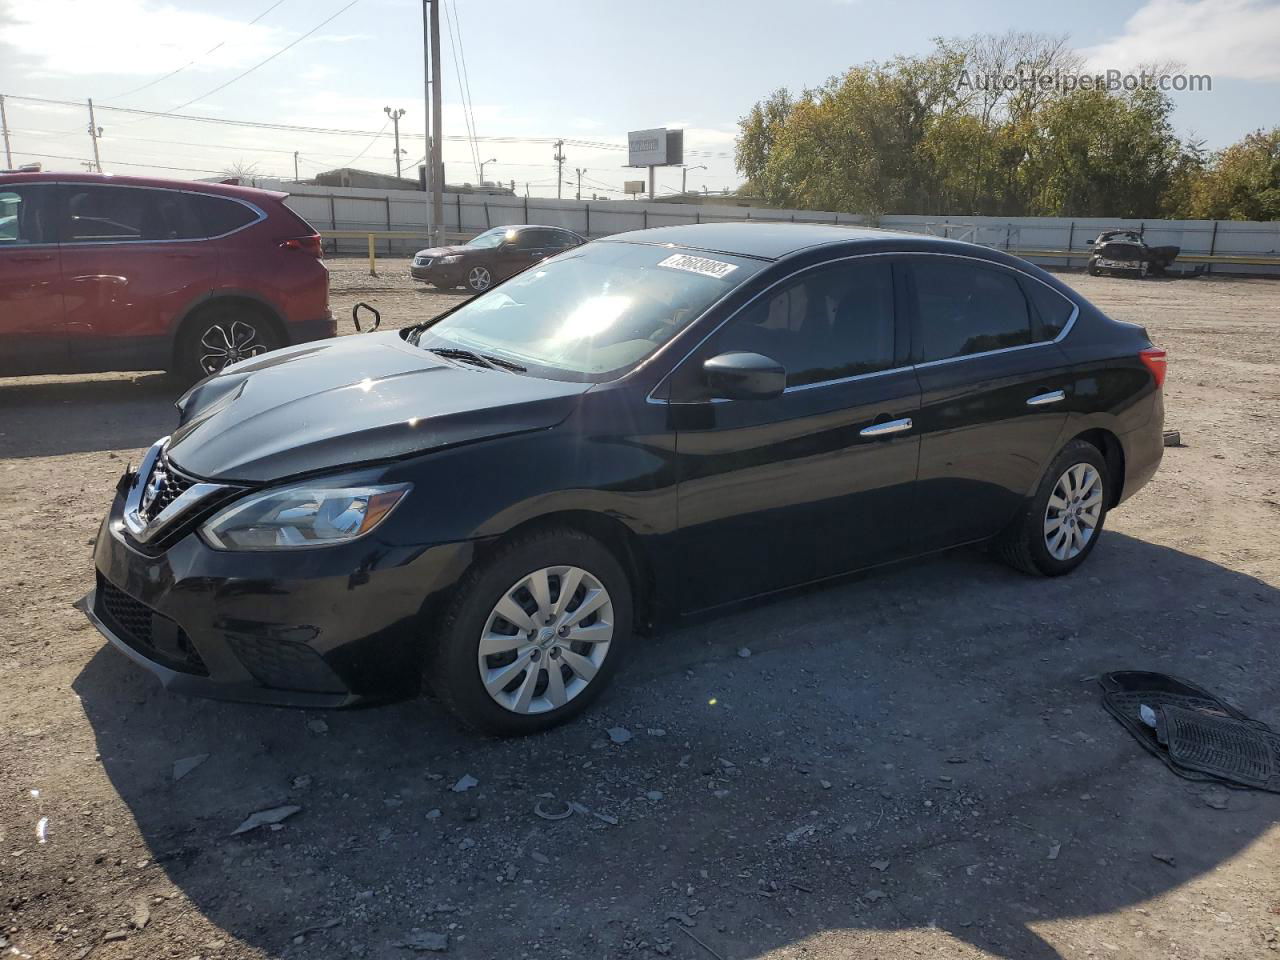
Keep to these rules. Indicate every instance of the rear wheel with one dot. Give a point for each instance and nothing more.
(1060, 525)
(219, 336)
(534, 634)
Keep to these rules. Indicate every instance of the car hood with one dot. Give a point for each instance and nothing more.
(353, 400)
(436, 252)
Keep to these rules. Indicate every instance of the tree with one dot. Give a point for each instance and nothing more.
(242, 170)
(1241, 182)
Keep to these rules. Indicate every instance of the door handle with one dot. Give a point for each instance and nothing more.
(1044, 399)
(888, 428)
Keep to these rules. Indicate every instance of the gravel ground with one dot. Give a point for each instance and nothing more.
(913, 762)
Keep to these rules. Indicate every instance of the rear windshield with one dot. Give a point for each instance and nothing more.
(594, 312)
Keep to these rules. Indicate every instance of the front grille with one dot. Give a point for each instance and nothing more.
(153, 635)
(163, 487)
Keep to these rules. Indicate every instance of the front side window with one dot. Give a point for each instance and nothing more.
(965, 309)
(101, 214)
(831, 323)
(24, 213)
(591, 313)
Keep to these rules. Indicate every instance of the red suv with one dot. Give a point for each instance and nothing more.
(99, 272)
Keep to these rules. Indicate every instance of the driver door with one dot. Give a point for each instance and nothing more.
(812, 483)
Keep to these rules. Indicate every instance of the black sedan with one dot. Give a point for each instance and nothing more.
(491, 257)
(491, 503)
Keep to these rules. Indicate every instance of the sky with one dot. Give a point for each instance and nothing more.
(575, 69)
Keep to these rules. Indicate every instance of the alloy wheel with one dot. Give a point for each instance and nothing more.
(545, 639)
(223, 344)
(479, 279)
(1074, 510)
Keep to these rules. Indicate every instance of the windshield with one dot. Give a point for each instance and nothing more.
(594, 312)
(490, 238)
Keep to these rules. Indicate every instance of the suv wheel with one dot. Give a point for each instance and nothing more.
(1059, 527)
(219, 336)
(533, 635)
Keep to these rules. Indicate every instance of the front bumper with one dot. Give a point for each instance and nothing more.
(452, 275)
(328, 627)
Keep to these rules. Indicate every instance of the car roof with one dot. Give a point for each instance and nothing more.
(762, 240)
(195, 186)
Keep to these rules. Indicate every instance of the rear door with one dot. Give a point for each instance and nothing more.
(133, 262)
(32, 326)
(815, 482)
(529, 247)
(993, 391)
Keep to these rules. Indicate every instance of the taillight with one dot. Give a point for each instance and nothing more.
(1156, 361)
(310, 244)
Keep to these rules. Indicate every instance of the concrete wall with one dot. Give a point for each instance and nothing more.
(465, 215)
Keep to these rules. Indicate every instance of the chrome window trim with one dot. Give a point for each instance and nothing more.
(144, 531)
(259, 214)
(1075, 312)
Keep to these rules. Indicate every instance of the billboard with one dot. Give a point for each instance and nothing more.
(659, 147)
(633, 186)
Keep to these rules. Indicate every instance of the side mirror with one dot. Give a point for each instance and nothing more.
(745, 376)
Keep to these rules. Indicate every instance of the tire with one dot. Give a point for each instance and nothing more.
(479, 279)
(218, 336)
(453, 670)
(1092, 269)
(1031, 544)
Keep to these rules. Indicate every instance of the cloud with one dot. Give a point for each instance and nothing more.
(78, 38)
(1225, 38)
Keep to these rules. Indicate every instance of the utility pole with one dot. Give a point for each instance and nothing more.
(437, 131)
(684, 176)
(579, 171)
(482, 164)
(559, 159)
(295, 167)
(4, 126)
(395, 116)
(95, 132)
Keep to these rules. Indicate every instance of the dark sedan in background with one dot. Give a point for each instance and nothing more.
(491, 257)
(665, 421)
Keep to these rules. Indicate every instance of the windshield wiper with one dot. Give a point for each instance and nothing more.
(478, 359)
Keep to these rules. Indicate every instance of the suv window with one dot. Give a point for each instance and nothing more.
(219, 215)
(833, 322)
(1053, 309)
(24, 213)
(966, 309)
(122, 214)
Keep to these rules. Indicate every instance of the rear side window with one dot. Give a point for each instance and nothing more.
(219, 215)
(833, 322)
(965, 309)
(102, 214)
(24, 215)
(1053, 309)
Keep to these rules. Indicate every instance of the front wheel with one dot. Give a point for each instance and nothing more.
(534, 634)
(1060, 526)
(479, 279)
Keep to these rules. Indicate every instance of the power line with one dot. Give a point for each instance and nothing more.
(190, 63)
(368, 146)
(124, 163)
(465, 85)
(262, 63)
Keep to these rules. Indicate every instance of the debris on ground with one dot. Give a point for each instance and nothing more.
(264, 817)
(744, 652)
(465, 783)
(184, 766)
(1054, 850)
(550, 811)
(141, 915)
(327, 925)
(583, 808)
(1165, 858)
(619, 734)
(881, 865)
(424, 941)
(318, 726)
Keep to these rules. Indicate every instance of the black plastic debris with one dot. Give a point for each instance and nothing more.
(1196, 735)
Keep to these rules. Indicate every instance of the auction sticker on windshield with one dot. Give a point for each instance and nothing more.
(703, 265)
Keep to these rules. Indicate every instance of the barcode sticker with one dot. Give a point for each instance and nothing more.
(703, 265)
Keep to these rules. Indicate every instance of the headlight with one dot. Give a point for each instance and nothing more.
(306, 515)
(452, 258)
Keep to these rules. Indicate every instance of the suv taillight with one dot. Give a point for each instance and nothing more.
(311, 244)
(1156, 361)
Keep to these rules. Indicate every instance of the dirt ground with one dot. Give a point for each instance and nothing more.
(910, 763)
